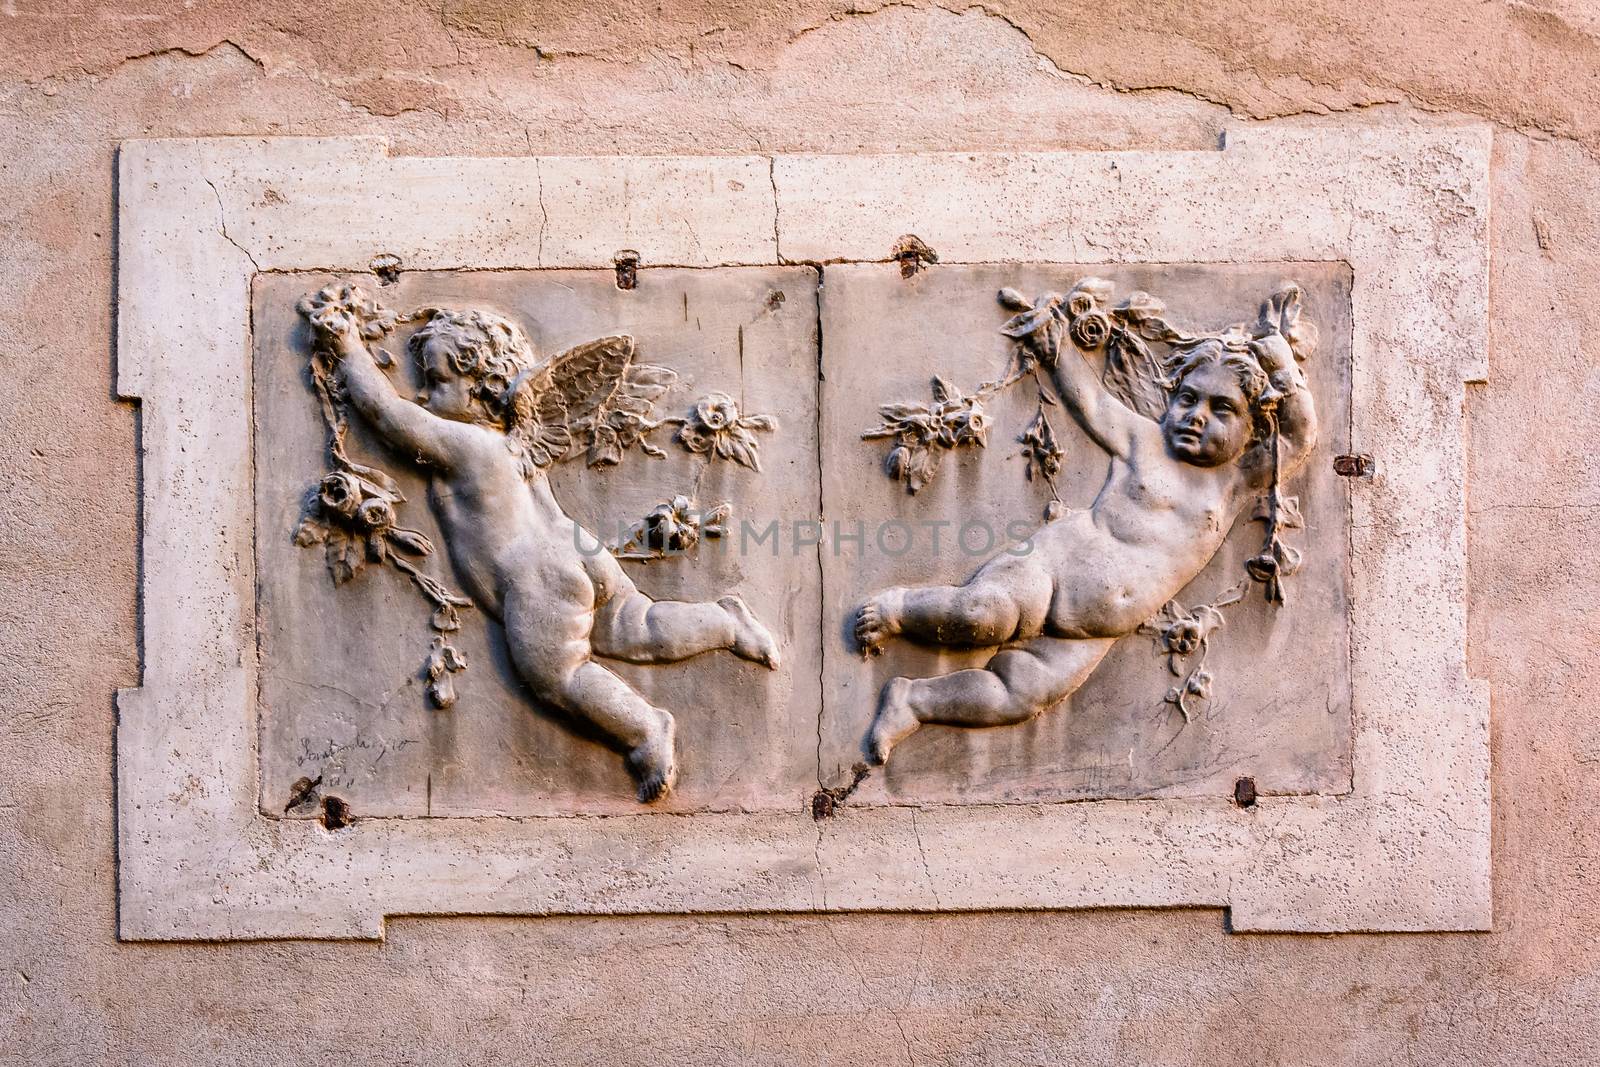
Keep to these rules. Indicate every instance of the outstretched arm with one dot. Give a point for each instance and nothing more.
(406, 426)
(1103, 417)
(1297, 412)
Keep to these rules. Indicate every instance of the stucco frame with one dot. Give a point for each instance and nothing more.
(1407, 849)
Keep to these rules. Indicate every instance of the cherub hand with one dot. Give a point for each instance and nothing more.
(344, 317)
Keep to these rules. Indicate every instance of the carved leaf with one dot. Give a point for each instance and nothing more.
(310, 532)
(1012, 300)
(1027, 323)
(743, 448)
(345, 555)
(944, 390)
(921, 465)
(1289, 517)
(445, 618)
(410, 541)
(1146, 316)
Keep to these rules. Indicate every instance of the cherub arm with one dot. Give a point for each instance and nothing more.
(1297, 417)
(1297, 411)
(1110, 423)
(1282, 340)
(407, 427)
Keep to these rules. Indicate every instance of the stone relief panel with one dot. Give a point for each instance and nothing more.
(523, 533)
(1111, 544)
(553, 463)
(1285, 696)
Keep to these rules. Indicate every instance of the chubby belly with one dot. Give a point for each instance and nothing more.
(542, 554)
(1104, 586)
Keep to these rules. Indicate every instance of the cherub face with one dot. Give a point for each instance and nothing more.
(1208, 418)
(444, 392)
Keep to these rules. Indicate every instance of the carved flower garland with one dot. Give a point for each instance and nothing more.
(717, 430)
(924, 433)
(1180, 634)
(353, 511)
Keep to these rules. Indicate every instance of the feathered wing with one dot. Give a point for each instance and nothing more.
(1133, 375)
(593, 397)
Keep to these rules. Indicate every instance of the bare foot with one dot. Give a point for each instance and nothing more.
(751, 640)
(655, 763)
(878, 620)
(894, 722)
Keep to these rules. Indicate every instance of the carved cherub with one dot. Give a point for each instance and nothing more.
(489, 422)
(1197, 437)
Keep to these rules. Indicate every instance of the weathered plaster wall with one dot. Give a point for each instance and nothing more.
(497, 78)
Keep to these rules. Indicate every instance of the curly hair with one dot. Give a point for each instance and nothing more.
(491, 351)
(1252, 380)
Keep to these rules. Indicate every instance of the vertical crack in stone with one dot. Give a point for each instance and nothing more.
(822, 583)
(927, 872)
(777, 253)
(544, 213)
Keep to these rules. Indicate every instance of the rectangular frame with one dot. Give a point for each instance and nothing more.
(1407, 849)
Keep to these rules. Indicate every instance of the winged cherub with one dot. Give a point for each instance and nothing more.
(1193, 438)
(489, 422)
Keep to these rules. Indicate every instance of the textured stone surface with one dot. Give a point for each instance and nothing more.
(1159, 987)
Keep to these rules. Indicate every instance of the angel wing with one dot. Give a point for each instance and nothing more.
(1133, 373)
(592, 396)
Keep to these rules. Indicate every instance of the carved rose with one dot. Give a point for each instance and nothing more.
(1183, 636)
(340, 493)
(716, 412)
(1091, 330)
(716, 429)
(376, 514)
(670, 527)
(962, 422)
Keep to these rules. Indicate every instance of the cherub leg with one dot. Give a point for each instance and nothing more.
(635, 629)
(549, 644)
(990, 609)
(1016, 685)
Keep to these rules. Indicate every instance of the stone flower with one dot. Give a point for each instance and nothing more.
(923, 433)
(340, 494)
(1091, 329)
(444, 659)
(962, 421)
(376, 514)
(1041, 448)
(716, 429)
(1272, 565)
(672, 527)
(337, 309)
(1181, 633)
